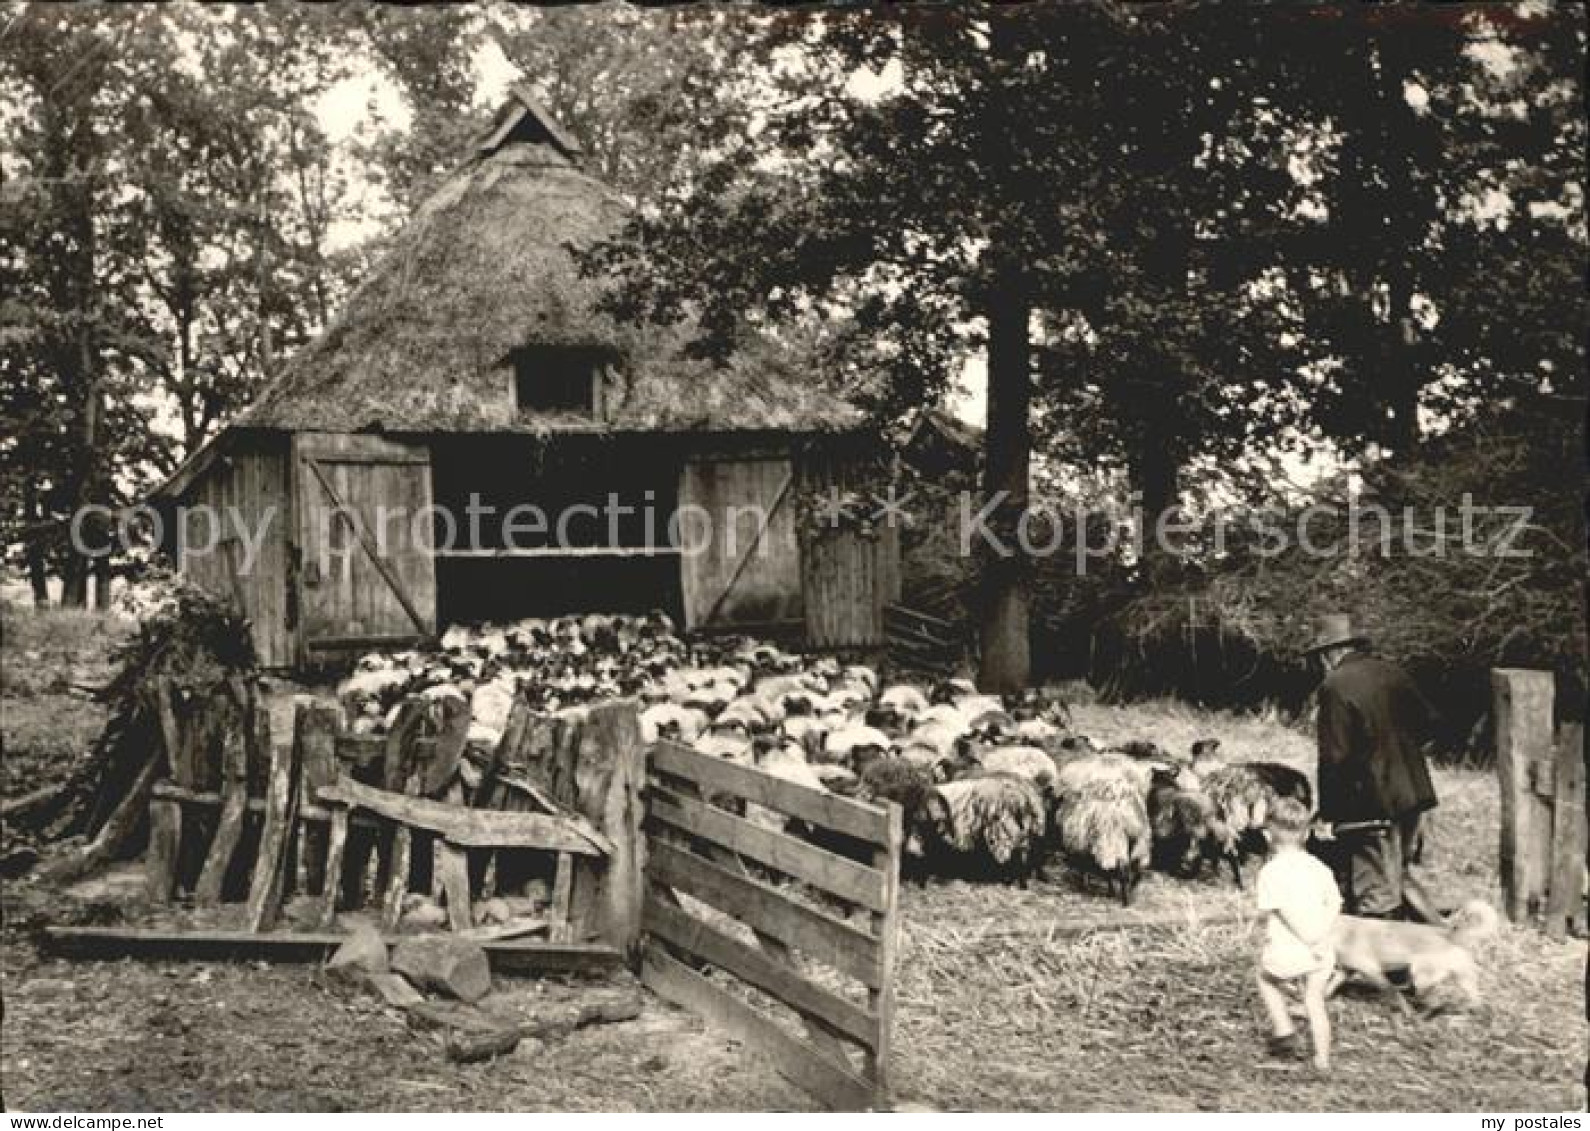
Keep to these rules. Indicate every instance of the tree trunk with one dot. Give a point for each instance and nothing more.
(33, 546)
(1157, 475)
(1006, 645)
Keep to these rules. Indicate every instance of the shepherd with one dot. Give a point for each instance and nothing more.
(1374, 782)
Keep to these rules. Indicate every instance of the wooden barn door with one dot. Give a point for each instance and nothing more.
(740, 564)
(367, 575)
(848, 577)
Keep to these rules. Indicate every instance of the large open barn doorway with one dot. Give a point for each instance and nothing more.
(533, 527)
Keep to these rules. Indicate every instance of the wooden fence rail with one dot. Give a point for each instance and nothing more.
(1542, 773)
(787, 943)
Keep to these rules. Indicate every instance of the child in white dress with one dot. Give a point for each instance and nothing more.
(1298, 897)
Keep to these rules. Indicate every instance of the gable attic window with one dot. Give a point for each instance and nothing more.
(558, 380)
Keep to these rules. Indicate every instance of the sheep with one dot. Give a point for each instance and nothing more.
(841, 745)
(945, 714)
(1185, 830)
(862, 674)
(905, 701)
(1078, 772)
(1104, 830)
(1241, 794)
(670, 720)
(729, 747)
(1025, 761)
(997, 820)
(787, 762)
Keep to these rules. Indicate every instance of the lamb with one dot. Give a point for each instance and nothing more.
(998, 820)
(1104, 830)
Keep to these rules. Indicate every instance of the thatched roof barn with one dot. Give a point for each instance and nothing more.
(473, 366)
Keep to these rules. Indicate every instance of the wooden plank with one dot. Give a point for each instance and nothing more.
(779, 980)
(1523, 714)
(400, 753)
(562, 896)
(234, 803)
(315, 727)
(113, 834)
(886, 925)
(1565, 897)
(819, 937)
(178, 747)
(848, 880)
(453, 868)
(920, 619)
(116, 943)
(470, 828)
(439, 768)
(165, 840)
(336, 845)
(399, 865)
(864, 822)
(281, 811)
(836, 1086)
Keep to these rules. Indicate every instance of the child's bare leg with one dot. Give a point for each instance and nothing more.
(1319, 1022)
(1275, 1005)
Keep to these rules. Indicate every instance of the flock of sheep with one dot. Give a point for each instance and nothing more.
(990, 787)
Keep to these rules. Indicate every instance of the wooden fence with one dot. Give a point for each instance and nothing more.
(788, 945)
(1542, 772)
(364, 821)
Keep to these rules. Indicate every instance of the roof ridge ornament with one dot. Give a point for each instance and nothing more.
(523, 118)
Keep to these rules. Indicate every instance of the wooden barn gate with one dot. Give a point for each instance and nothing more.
(1542, 772)
(739, 916)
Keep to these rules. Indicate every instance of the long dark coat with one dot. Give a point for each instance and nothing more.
(1372, 725)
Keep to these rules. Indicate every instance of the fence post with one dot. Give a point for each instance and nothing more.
(1523, 714)
(1565, 902)
(609, 774)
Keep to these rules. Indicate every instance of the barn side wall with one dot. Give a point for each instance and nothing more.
(234, 525)
(847, 575)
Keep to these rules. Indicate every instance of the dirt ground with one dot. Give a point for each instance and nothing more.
(999, 1005)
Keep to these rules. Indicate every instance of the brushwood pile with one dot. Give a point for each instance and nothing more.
(992, 788)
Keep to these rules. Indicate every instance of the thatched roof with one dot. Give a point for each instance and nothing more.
(483, 269)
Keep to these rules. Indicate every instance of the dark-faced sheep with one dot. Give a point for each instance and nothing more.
(1185, 829)
(1242, 794)
(995, 823)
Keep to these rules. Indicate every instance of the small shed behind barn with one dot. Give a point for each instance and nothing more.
(472, 440)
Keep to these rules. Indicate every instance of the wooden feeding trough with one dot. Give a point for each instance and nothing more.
(358, 822)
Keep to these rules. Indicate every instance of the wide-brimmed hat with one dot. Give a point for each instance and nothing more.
(1335, 629)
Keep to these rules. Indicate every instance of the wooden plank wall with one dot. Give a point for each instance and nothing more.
(247, 485)
(767, 932)
(344, 596)
(848, 578)
(768, 589)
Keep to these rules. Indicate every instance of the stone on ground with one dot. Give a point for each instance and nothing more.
(445, 963)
